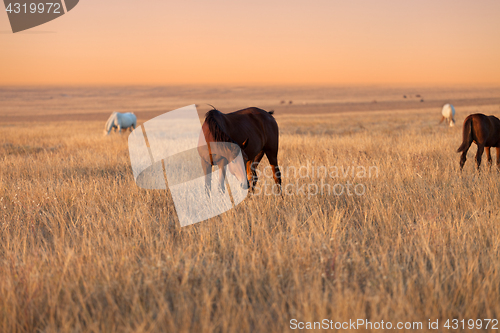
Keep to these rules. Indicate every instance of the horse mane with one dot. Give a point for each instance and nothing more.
(110, 121)
(217, 132)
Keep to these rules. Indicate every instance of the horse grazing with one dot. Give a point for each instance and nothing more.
(120, 120)
(448, 113)
(254, 130)
(485, 132)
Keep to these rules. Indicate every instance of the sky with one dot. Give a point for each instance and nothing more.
(271, 42)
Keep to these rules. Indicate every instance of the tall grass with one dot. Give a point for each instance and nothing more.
(83, 249)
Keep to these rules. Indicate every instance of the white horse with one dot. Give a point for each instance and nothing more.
(120, 120)
(448, 113)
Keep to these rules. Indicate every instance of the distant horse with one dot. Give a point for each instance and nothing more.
(254, 130)
(119, 120)
(448, 113)
(485, 132)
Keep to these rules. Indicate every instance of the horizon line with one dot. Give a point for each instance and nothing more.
(253, 85)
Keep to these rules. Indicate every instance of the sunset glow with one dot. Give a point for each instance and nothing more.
(259, 42)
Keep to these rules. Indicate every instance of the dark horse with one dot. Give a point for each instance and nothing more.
(254, 130)
(485, 132)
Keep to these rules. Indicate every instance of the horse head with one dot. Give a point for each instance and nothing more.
(233, 157)
(237, 167)
(110, 124)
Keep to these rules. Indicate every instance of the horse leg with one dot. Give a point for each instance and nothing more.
(442, 119)
(498, 158)
(479, 155)
(207, 169)
(222, 175)
(249, 168)
(272, 157)
(252, 170)
(488, 156)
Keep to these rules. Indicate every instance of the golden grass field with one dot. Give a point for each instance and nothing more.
(83, 249)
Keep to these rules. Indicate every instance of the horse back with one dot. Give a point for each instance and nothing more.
(494, 131)
(126, 119)
(448, 111)
(485, 129)
(259, 119)
(255, 124)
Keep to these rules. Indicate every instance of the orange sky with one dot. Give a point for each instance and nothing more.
(258, 42)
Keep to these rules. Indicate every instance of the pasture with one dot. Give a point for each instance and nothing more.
(83, 249)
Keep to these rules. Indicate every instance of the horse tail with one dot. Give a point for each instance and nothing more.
(466, 135)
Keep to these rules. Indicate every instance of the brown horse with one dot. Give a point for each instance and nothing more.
(485, 132)
(252, 129)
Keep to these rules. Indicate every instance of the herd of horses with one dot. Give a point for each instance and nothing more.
(483, 130)
(253, 133)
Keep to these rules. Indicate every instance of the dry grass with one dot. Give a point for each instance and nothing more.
(84, 250)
